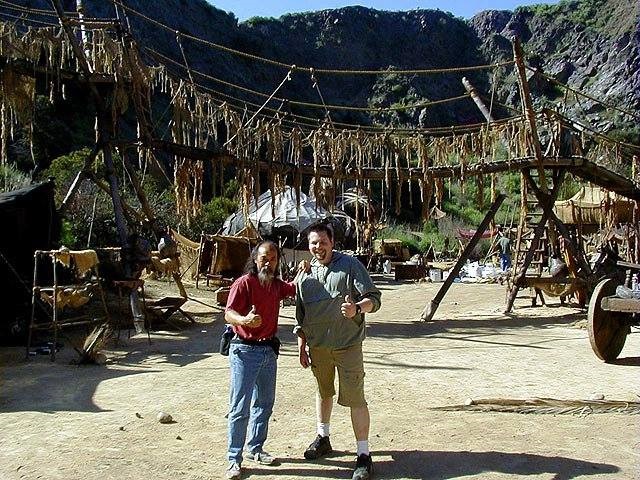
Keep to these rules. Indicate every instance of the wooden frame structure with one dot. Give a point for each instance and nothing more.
(58, 296)
(111, 68)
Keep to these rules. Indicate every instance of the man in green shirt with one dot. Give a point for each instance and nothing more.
(331, 301)
(504, 245)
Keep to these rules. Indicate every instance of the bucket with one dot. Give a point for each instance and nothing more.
(435, 274)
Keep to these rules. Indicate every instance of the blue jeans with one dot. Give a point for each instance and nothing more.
(252, 394)
(505, 261)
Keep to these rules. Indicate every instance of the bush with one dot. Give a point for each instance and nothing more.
(12, 179)
(211, 217)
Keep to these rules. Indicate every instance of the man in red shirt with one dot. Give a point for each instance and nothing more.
(252, 309)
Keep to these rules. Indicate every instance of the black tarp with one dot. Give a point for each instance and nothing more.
(28, 222)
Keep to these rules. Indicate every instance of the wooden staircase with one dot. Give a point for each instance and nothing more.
(533, 245)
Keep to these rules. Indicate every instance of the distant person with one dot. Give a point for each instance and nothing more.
(252, 309)
(330, 305)
(504, 246)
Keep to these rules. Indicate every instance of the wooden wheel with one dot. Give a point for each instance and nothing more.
(607, 329)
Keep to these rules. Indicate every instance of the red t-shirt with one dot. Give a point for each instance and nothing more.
(247, 291)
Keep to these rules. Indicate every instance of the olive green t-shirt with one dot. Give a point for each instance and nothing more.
(321, 292)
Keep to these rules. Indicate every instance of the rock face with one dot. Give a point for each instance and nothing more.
(592, 45)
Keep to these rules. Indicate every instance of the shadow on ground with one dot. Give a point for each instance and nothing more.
(392, 464)
(38, 384)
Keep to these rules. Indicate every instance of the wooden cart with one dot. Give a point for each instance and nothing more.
(610, 318)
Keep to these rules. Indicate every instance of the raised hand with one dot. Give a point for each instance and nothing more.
(304, 266)
(252, 319)
(348, 308)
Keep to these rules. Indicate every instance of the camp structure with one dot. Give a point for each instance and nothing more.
(222, 258)
(282, 217)
(22, 237)
(592, 208)
(204, 132)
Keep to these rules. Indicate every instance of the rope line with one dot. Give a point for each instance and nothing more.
(571, 123)
(286, 79)
(37, 11)
(369, 109)
(586, 95)
(23, 18)
(314, 122)
(314, 69)
(322, 106)
(184, 57)
(314, 83)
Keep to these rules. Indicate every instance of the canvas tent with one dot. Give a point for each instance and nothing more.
(281, 218)
(223, 257)
(592, 205)
(30, 222)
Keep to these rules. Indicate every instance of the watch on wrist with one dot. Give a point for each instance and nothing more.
(358, 309)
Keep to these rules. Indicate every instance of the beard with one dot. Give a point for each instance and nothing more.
(265, 276)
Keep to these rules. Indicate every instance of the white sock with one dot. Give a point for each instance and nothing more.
(363, 447)
(323, 429)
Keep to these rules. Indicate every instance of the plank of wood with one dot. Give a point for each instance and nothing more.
(534, 281)
(615, 304)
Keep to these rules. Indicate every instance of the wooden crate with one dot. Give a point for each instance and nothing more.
(405, 271)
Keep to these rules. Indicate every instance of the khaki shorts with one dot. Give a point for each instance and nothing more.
(348, 361)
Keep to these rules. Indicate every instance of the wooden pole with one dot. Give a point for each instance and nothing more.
(129, 210)
(476, 98)
(77, 50)
(75, 186)
(525, 97)
(430, 309)
(104, 137)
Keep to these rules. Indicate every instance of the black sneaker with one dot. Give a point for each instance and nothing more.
(364, 468)
(319, 447)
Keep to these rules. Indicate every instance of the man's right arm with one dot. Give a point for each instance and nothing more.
(251, 319)
(239, 301)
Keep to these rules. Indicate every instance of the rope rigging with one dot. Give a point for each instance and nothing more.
(287, 78)
(583, 94)
(322, 105)
(310, 69)
(255, 135)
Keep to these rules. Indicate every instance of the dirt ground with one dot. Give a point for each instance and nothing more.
(61, 421)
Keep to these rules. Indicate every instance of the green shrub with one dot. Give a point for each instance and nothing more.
(12, 179)
(211, 217)
(64, 169)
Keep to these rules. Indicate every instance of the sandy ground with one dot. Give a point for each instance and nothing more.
(60, 421)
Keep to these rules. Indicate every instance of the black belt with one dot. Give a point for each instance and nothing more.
(273, 342)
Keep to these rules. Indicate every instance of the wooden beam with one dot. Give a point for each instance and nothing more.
(371, 173)
(132, 212)
(477, 100)
(430, 309)
(525, 97)
(625, 305)
(75, 186)
(608, 179)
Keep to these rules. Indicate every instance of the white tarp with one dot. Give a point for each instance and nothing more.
(284, 215)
